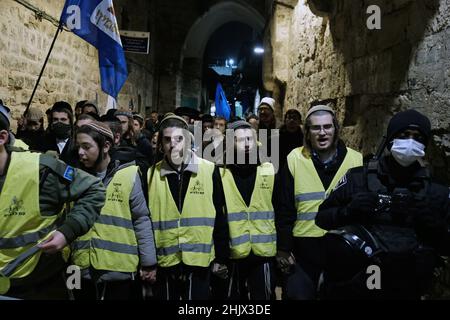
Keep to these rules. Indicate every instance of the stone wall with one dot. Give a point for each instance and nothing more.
(138, 90)
(369, 75)
(72, 73)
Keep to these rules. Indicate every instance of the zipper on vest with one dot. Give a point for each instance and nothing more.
(180, 190)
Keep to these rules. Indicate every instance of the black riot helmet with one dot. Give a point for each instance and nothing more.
(349, 250)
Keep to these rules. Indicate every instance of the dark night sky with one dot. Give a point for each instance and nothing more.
(226, 41)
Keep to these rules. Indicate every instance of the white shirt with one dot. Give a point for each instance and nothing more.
(61, 144)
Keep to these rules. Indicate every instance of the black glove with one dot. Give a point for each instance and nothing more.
(400, 208)
(285, 261)
(362, 207)
(430, 228)
(219, 270)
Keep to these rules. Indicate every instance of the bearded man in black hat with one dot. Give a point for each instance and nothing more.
(389, 221)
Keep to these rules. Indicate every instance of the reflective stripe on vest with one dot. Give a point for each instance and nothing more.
(184, 222)
(11, 267)
(187, 236)
(26, 239)
(20, 144)
(199, 247)
(251, 228)
(21, 223)
(111, 243)
(309, 190)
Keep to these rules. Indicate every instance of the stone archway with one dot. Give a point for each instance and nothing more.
(189, 81)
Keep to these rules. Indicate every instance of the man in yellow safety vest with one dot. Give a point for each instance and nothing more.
(34, 228)
(311, 173)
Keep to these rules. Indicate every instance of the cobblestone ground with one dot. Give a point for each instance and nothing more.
(441, 286)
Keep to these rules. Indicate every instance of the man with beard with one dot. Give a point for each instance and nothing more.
(248, 186)
(267, 121)
(291, 134)
(31, 130)
(266, 113)
(311, 173)
(186, 204)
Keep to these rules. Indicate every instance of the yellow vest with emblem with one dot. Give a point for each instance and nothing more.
(21, 224)
(111, 243)
(252, 228)
(309, 190)
(20, 144)
(187, 236)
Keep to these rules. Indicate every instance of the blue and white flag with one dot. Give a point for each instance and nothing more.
(95, 22)
(222, 106)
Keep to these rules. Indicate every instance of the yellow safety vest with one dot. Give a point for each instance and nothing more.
(309, 190)
(20, 144)
(21, 224)
(111, 243)
(251, 228)
(187, 236)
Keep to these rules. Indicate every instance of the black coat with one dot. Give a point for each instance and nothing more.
(69, 154)
(411, 235)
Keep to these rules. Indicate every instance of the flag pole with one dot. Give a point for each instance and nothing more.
(43, 67)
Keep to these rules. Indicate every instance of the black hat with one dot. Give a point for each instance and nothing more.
(92, 104)
(411, 119)
(240, 124)
(207, 118)
(186, 111)
(62, 106)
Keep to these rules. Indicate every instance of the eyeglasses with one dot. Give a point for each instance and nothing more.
(317, 128)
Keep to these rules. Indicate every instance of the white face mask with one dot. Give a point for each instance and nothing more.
(407, 151)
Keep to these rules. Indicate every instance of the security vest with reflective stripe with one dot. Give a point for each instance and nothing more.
(251, 228)
(187, 236)
(111, 243)
(309, 190)
(20, 144)
(21, 224)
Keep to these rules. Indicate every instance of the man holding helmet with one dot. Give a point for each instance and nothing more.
(311, 173)
(390, 214)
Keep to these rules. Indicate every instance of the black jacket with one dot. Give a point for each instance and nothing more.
(33, 139)
(332, 212)
(411, 235)
(69, 154)
(285, 209)
(288, 142)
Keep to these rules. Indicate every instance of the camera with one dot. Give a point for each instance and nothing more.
(400, 197)
(384, 202)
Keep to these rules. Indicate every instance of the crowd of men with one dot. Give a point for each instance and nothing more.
(143, 211)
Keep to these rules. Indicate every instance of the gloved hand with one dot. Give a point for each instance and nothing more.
(148, 274)
(430, 228)
(219, 270)
(285, 261)
(362, 207)
(400, 208)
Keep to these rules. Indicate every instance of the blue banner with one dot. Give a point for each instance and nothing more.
(95, 22)
(222, 106)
